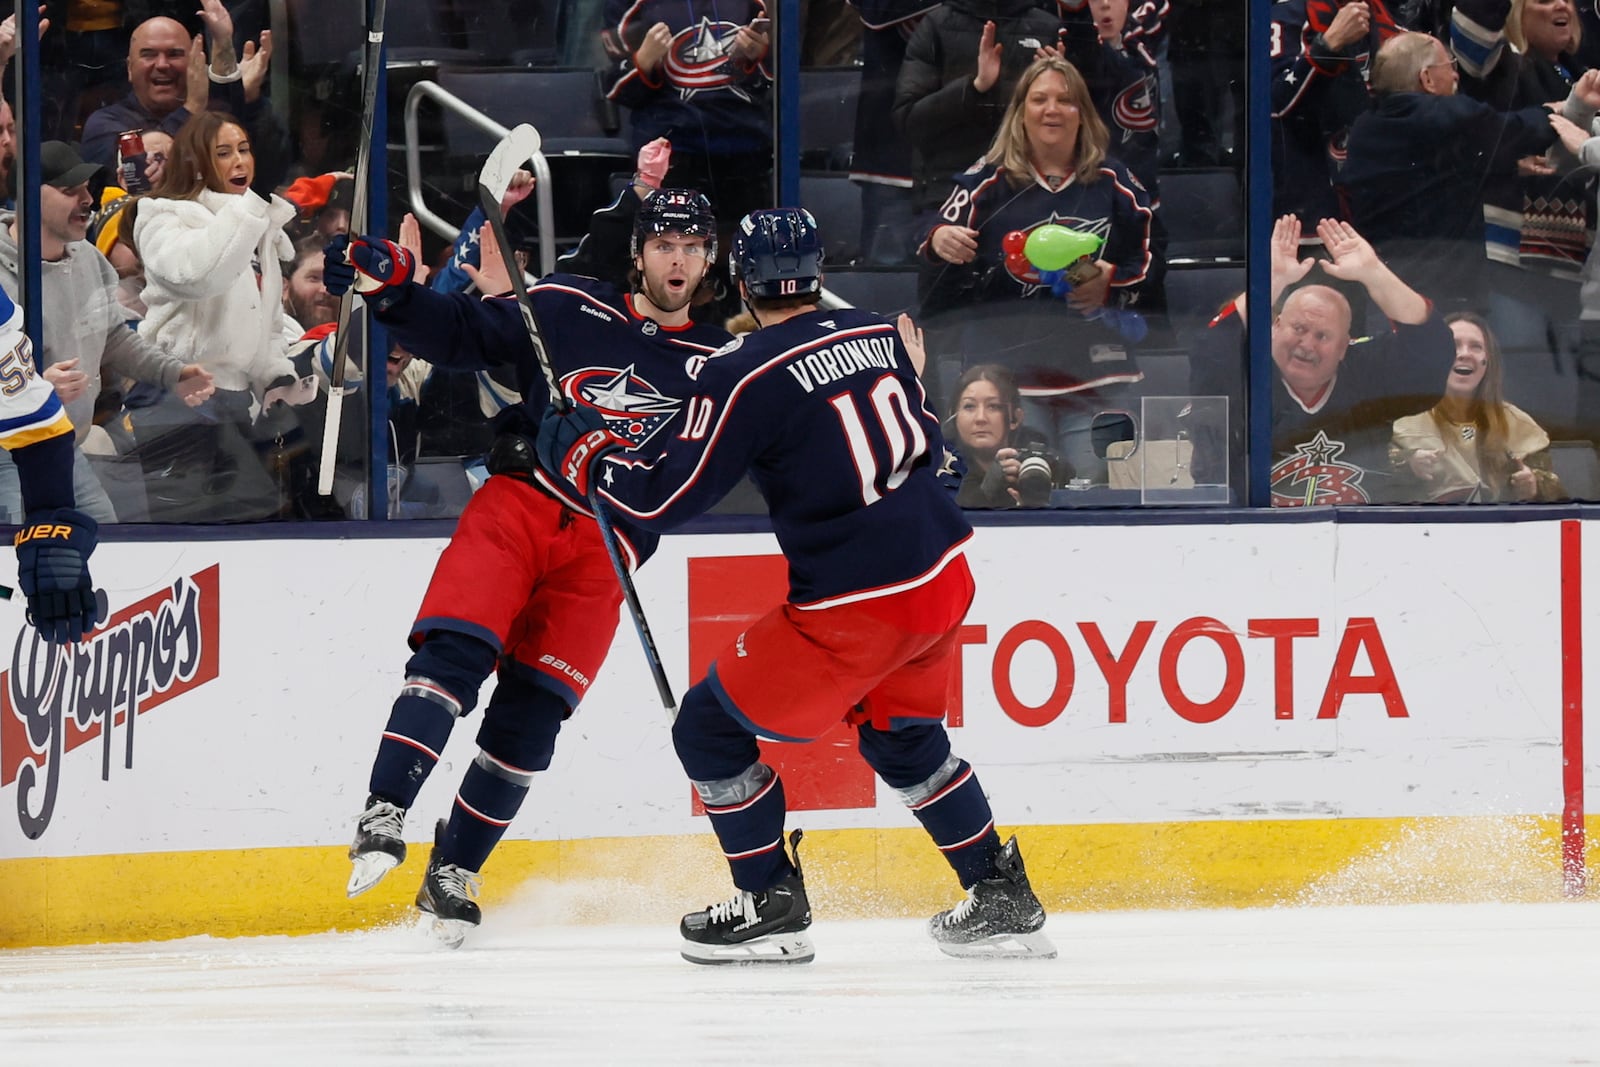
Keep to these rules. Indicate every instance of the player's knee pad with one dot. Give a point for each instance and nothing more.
(455, 665)
(711, 744)
(520, 725)
(908, 759)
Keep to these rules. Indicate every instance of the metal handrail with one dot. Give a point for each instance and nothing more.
(543, 201)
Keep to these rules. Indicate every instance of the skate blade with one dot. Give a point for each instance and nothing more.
(774, 948)
(367, 871)
(1003, 946)
(450, 933)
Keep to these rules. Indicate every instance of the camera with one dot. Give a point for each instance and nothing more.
(1038, 475)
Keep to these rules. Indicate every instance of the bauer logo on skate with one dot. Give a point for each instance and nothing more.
(54, 700)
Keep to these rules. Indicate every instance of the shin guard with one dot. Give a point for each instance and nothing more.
(490, 796)
(747, 815)
(419, 725)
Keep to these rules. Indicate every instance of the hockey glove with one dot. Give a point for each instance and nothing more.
(53, 552)
(570, 444)
(378, 269)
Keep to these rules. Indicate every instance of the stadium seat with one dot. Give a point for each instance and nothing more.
(828, 116)
(419, 37)
(1578, 467)
(565, 104)
(886, 290)
(1204, 215)
(1195, 293)
(835, 201)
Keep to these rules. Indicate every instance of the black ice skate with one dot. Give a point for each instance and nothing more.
(1000, 917)
(766, 927)
(446, 894)
(377, 849)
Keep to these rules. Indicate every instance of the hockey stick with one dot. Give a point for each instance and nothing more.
(516, 148)
(372, 61)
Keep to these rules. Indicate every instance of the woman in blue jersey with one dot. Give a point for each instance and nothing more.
(985, 303)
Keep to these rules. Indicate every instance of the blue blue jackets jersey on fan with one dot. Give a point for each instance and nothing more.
(828, 417)
(598, 344)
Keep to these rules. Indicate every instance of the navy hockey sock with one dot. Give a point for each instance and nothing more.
(751, 830)
(940, 789)
(419, 725)
(958, 818)
(488, 800)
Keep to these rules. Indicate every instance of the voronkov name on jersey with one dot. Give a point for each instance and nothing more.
(830, 364)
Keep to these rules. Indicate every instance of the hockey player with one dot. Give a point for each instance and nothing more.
(825, 411)
(55, 542)
(525, 587)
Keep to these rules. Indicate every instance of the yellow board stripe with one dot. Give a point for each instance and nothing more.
(850, 874)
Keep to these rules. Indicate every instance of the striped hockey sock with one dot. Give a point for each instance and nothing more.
(751, 834)
(958, 818)
(489, 798)
(419, 725)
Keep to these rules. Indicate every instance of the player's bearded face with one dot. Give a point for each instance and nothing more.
(672, 266)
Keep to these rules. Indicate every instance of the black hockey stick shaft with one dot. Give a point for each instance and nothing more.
(489, 201)
(370, 69)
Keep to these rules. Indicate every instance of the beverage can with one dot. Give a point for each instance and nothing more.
(131, 162)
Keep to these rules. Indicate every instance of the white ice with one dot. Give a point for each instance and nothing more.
(1494, 984)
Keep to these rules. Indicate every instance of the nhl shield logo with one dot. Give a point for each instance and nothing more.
(649, 327)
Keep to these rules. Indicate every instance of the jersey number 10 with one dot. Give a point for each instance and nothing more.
(890, 429)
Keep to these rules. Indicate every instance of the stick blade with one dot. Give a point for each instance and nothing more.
(514, 149)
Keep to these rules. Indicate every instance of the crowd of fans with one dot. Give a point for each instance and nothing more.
(1432, 168)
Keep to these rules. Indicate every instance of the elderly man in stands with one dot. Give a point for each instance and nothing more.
(170, 81)
(1322, 54)
(1335, 397)
(1418, 162)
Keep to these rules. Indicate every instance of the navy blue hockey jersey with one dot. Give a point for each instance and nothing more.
(829, 418)
(700, 98)
(604, 353)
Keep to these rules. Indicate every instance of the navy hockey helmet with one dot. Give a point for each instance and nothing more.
(778, 253)
(681, 211)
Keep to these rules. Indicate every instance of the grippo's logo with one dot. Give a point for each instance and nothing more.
(55, 699)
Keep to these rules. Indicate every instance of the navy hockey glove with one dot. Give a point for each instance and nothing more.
(570, 444)
(378, 269)
(53, 552)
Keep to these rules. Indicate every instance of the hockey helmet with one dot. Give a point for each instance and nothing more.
(682, 211)
(778, 253)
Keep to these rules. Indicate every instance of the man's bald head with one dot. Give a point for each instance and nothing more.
(1309, 338)
(158, 65)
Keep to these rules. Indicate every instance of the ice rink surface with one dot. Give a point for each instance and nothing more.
(1502, 984)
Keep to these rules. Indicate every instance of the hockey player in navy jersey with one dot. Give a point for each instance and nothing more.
(525, 588)
(56, 540)
(826, 413)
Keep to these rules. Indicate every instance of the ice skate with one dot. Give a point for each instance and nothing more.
(446, 894)
(1001, 917)
(378, 848)
(766, 927)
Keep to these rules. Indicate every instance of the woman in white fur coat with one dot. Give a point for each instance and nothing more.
(212, 249)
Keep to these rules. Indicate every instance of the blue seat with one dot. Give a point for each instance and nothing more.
(828, 116)
(420, 36)
(886, 290)
(565, 104)
(1194, 295)
(835, 201)
(1204, 215)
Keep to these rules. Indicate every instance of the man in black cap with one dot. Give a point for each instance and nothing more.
(86, 338)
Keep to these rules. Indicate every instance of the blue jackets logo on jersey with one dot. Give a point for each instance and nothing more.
(697, 60)
(632, 408)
